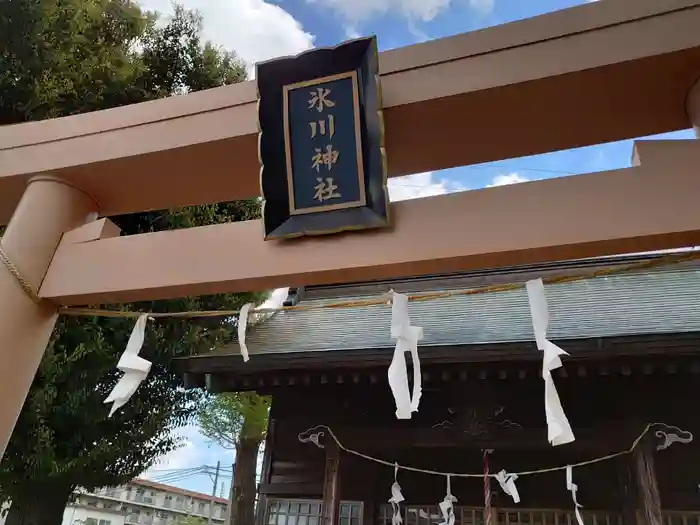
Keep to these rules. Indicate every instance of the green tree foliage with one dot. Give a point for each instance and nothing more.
(190, 520)
(178, 62)
(238, 421)
(226, 418)
(62, 57)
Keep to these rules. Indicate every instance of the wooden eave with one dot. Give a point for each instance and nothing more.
(643, 355)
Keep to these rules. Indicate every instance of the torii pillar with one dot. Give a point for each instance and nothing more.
(48, 208)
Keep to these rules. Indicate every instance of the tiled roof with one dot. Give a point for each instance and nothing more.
(658, 301)
(177, 490)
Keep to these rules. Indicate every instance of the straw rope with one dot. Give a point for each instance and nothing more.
(487, 488)
(382, 300)
(323, 429)
(18, 276)
(426, 296)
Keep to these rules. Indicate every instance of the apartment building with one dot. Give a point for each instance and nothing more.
(77, 514)
(142, 502)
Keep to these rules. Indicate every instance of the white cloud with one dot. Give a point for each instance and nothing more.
(510, 178)
(351, 32)
(420, 185)
(359, 10)
(190, 454)
(484, 6)
(256, 30)
(418, 34)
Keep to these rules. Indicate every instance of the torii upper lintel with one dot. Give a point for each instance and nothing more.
(595, 73)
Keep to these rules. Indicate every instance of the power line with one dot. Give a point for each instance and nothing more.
(179, 475)
(170, 476)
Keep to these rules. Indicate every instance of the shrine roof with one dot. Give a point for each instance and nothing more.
(663, 300)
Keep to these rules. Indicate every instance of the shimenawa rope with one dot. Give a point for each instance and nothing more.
(393, 464)
(382, 300)
(18, 276)
(428, 296)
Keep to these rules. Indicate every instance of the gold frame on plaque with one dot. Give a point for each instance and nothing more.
(293, 210)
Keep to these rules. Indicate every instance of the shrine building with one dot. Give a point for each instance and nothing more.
(632, 339)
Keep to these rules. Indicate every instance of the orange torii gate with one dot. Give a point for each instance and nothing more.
(600, 72)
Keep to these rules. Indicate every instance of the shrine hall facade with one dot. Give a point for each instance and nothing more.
(632, 339)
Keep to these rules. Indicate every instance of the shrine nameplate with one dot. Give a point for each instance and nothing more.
(321, 143)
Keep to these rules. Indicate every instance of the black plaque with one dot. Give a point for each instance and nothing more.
(321, 144)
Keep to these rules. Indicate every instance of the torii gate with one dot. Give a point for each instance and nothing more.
(600, 72)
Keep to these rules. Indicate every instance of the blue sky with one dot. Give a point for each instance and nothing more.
(260, 30)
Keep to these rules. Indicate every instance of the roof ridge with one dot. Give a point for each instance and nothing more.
(472, 278)
(177, 490)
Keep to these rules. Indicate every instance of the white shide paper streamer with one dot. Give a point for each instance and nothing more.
(507, 483)
(407, 338)
(447, 506)
(396, 499)
(242, 326)
(572, 487)
(135, 368)
(558, 427)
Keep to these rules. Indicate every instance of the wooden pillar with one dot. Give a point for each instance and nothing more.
(495, 504)
(369, 506)
(494, 516)
(266, 470)
(48, 208)
(647, 488)
(331, 484)
(369, 510)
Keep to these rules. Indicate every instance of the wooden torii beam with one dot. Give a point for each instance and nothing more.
(595, 73)
(647, 207)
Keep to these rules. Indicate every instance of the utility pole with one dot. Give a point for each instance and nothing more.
(213, 491)
(229, 514)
